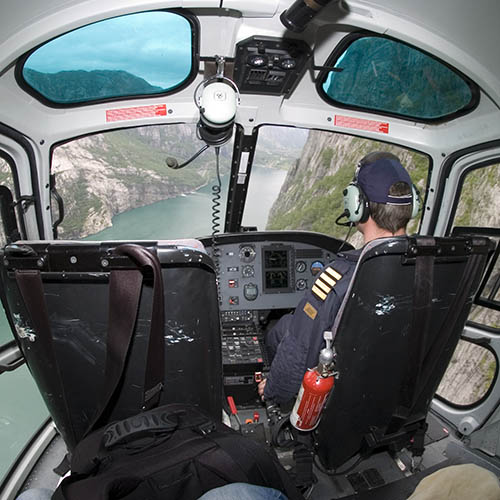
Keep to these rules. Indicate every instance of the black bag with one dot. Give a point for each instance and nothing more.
(172, 452)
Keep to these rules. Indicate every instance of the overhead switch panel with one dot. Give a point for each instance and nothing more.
(272, 66)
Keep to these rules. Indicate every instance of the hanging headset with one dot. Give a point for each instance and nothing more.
(217, 99)
(357, 204)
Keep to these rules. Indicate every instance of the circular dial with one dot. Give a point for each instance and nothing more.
(300, 266)
(247, 253)
(247, 271)
(317, 267)
(301, 284)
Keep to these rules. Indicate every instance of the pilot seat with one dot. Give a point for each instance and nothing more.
(394, 336)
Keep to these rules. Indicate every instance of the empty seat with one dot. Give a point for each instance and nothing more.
(67, 353)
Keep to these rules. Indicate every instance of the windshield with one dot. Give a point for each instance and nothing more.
(301, 186)
(116, 185)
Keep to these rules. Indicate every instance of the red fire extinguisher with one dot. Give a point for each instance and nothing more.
(314, 391)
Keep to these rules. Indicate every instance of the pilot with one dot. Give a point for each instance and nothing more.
(296, 340)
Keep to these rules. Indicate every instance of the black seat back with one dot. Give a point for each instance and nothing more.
(395, 334)
(68, 358)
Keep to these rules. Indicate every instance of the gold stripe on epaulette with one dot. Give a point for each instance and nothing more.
(334, 274)
(327, 279)
(327, 289)
(321, 295)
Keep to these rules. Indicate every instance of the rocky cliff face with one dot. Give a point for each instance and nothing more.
(101, 176)
(311, 196)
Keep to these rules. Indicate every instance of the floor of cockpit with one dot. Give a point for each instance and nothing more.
(379, 477)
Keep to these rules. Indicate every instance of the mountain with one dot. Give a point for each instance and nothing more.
(311, 197)
(80, 85)
(106, 174)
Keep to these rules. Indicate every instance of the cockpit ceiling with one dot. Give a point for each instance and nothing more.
(461, 36)
(465, 32)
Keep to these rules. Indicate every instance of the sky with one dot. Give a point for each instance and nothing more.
(155, 46)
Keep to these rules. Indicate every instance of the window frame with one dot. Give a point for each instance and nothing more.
(478, 299)
(340, 49)
(195, 60)
(16, 194)
(485, 345)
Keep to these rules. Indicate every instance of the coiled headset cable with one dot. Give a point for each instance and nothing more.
(216, 196)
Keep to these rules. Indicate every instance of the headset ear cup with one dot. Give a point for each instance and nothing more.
(355, 203)
(416, 201)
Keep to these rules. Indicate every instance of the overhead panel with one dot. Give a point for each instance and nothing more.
(270, 66)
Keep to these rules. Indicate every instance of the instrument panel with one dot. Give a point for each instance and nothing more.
(269, 270)
(260, 274)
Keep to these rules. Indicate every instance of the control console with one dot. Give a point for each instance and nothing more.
(268, 275)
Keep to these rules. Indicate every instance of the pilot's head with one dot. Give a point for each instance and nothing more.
(381, 193)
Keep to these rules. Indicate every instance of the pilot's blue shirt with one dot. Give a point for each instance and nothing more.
(296, 340)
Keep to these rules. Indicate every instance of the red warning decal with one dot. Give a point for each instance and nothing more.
(116, 115)
(361, 124)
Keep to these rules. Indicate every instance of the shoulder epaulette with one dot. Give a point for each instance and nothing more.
(325, 282)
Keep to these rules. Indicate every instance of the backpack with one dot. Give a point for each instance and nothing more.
(173, 452)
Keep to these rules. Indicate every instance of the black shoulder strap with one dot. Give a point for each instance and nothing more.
(419, 326)
(124, 294)
(155, 363)
(31, 288)
(125, 287)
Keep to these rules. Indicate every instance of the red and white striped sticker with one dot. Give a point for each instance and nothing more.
(116, 115)
(361, 124)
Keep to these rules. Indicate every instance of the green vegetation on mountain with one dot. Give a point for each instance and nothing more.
(78, 213)
(126, 169)
(80, 85)
(312, 196)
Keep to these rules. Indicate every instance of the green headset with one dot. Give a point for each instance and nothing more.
(357, 203)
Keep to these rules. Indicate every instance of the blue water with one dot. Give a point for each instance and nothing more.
(190, 215)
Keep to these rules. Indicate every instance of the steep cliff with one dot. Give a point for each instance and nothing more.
(106, 174)
(311, 196)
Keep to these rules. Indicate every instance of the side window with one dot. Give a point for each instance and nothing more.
(477, 211)
(469, 375)
(6, 187)
(473, 368)
(22, 409)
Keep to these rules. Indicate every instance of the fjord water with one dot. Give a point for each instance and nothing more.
(190, 215)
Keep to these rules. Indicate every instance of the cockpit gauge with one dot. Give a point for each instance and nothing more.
(301, 284)
(250, 291)
(317, 267)
(247, 271)
(247, 253)
(300, 266)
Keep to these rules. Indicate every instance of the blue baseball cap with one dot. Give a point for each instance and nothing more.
(376, 178)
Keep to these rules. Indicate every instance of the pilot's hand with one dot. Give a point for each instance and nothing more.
(261, 387)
